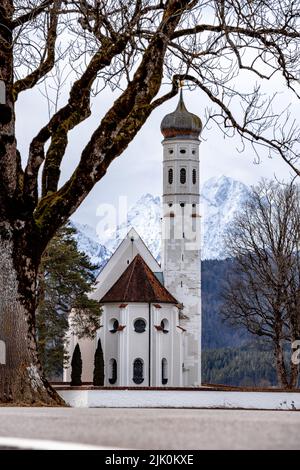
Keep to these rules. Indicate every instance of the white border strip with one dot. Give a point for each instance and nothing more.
(40, 444)
(180, 399)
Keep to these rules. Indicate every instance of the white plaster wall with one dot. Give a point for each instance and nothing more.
(138, 342)
(181, 399)
(109, 341)
(127, 345)
(166, 345)
(87, 349)
(181, 257)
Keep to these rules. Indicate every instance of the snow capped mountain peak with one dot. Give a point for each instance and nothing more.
(222, 188)
(88, 242)
(145, 217)
(89, 231)
(221, 198)
(148, 198)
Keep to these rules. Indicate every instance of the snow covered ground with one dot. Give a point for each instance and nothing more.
(181, 399)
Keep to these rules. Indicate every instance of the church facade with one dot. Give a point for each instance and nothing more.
(151, 314)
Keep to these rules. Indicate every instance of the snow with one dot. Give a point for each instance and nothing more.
(180, 399)
(88, 243)
(221, 198)
(145, 217)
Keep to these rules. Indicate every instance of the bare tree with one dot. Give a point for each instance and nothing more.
(130, 46)
(262, 292)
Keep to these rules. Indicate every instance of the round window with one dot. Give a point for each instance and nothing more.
(139, 325)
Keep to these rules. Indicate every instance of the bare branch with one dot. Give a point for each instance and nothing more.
(262, 292)
(48, 58)
(32, 13)
(117, 128)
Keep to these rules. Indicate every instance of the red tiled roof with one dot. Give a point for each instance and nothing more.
(138, 284)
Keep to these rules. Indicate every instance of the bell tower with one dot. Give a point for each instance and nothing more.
(181, 257)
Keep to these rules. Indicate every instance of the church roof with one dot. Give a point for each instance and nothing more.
(181, 123)
(138, 284)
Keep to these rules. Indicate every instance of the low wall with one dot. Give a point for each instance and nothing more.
(180, 399)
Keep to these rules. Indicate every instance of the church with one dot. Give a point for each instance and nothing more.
(151, 313)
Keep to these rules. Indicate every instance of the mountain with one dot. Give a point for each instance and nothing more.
(145, 217)
(221, 198)
(88, 242)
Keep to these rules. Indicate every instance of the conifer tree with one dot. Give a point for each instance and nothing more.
(76, 365)
(66, 277)
(98, 378)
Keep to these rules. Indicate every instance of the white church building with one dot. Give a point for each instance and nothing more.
(151, 314)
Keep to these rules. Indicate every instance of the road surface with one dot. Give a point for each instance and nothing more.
(155, 428)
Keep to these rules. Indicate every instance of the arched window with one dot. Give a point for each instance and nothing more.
(164, 371)
(164, 325)
(112, 371)
(139, 325)
(194, 176)
(170, 176)
(113, 325)
(138, 371)
(182, 175)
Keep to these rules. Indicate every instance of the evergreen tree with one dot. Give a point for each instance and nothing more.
(76, 365)
(98, 378)
(66, 277)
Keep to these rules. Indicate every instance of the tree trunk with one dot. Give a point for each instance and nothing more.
(294, 368)
(294, 374)
(280, 366)
(21, 377)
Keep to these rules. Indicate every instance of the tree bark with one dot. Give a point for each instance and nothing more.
(21, 377)
(282, 378)
(294, 368)
(294, 373)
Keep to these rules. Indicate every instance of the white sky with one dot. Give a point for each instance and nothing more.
(139, 169)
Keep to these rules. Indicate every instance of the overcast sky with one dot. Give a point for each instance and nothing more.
(139, 169)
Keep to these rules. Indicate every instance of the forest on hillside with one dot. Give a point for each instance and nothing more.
(230, 356)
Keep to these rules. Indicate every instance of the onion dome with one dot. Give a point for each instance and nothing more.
(181, 123)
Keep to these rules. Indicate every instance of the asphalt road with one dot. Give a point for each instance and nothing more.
(155, 428)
